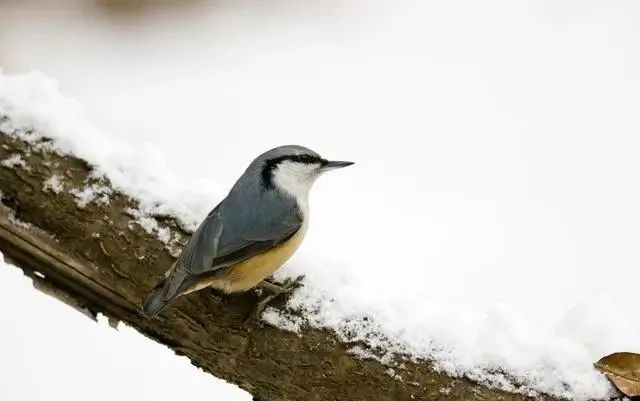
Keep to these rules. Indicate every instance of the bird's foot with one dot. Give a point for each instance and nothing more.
(286, 287)
(276, 290)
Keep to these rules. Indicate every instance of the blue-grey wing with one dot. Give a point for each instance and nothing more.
(221, 241)
(249, 221)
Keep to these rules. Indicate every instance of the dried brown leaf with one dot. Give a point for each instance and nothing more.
(623, 369)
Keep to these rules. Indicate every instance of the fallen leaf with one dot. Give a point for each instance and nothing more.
(623, 369)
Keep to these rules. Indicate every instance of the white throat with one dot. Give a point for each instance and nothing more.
(296, 180)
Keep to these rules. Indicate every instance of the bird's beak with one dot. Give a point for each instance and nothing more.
(332, 165)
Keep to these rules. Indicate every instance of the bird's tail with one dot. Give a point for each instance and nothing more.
(175, 284)
(155, 303)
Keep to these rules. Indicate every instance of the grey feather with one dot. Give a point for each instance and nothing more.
(251, 220)
(154, 303)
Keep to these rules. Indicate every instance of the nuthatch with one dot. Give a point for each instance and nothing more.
(252, 232)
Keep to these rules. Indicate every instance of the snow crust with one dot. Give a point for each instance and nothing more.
(490, 223)
(33, 100)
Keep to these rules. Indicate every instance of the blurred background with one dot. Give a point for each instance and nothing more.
(496, 142)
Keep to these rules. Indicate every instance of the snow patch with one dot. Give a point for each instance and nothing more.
(32, 107)
(391, 372)
(17, 222)
(364, 353)
(151, 226)
(54, 184)
(14, 160)
(282, 320)
(91, 193)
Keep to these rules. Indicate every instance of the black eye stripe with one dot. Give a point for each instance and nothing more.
(309, 159)
(271, 164)
(304, 158)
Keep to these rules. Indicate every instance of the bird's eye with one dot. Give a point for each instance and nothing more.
(305, 159)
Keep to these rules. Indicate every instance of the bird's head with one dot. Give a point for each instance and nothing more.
(293, 169)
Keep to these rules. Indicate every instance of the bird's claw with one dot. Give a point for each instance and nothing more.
(276, 290)
(286, 287)
(291, 284)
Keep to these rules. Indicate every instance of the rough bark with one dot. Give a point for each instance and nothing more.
(99, 260)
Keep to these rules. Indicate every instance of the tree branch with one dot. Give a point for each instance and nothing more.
(98, 259)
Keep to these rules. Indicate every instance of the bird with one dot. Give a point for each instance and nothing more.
(251, 233)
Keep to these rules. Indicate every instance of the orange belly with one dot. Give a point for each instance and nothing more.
(247, 274)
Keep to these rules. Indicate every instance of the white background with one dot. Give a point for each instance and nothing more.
(52, 352)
